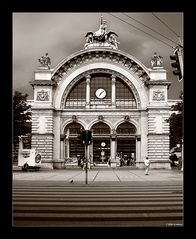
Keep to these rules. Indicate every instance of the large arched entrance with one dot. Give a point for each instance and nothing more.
(100, 149)
(126, 143)
(73, 147)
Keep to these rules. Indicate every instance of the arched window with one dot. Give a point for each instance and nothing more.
(101, 93)
(77, 96)
(126, 129)
(75, 148)
(124, 96)
(126, 140)
(100, 129)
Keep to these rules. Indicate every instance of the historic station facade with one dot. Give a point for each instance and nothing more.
(109, 92)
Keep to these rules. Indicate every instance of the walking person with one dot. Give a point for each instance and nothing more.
(147, 165)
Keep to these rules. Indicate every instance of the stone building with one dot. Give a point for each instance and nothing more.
(109, 92)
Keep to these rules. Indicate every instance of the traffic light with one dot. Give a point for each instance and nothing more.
(83, 137)
(86, 137)
(176, 65)
(89, 137)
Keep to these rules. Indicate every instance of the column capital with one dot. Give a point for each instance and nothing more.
(113, 78)
(88, 77)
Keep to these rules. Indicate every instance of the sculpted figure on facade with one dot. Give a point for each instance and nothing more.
(101, 37)
(45, 61)
(89, 38)
(112, 39)
(157, 61)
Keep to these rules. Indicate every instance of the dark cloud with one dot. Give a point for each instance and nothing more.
(62, 34)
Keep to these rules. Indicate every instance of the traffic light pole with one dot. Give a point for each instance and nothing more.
(86, 139)
(86, 169)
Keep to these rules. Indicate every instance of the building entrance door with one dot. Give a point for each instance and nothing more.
(101, 143)
(101, 150)
(126, 149)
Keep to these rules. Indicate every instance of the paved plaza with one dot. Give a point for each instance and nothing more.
(99, 175)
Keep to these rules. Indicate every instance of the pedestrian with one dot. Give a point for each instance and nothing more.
(121, 162)
(147, 165)
(82, 163)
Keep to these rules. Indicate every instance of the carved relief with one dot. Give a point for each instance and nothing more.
(158, 95)
(100, 56)
(42, 95)
(100, 117)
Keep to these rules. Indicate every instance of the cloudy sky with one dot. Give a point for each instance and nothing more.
(62, 34)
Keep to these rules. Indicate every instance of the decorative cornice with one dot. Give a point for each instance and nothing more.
(42, 82)
(157, 82)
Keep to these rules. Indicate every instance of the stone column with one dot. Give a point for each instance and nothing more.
(88, 91)
(113, 149)
(113, 91)
(58, 162)
(138, 151)
(91, 153)
(67, 143)
(62, 147)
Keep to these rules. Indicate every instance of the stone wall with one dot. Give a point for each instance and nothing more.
(42, 133)
(44, 144)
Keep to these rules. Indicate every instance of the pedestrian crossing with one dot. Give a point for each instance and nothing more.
(93, 205)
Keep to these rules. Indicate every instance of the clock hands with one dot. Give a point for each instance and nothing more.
(101, 92)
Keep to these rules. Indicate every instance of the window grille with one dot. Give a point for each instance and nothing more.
(77, 96)
(126, 128)
(100, 128)
(124, 96)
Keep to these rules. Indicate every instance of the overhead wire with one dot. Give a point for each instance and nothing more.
(148, 27)
(141, 30)
(165, 24)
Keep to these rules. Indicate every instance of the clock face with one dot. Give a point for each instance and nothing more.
(100, 93)
(103, 144)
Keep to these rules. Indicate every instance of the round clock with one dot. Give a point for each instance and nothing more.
(100, 93)
(103, 144)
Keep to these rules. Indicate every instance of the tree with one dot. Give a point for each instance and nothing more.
(176, 122)
(21, 115)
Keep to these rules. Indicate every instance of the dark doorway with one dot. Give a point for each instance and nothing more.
(101, 150)
(126, 147)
